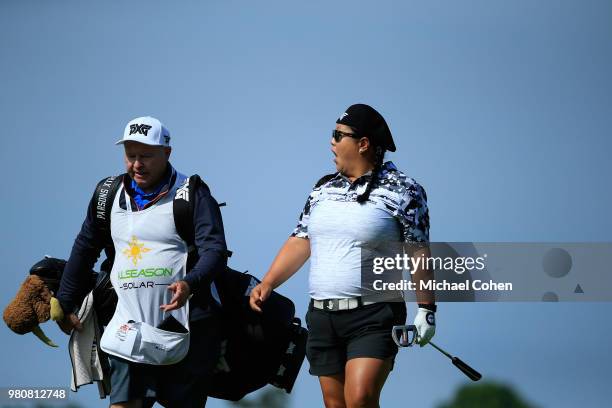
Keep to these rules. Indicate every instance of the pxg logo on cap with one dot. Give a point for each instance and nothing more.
(147, 130)
(142, 129)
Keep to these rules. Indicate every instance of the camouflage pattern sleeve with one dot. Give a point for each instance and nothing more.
(301, 230)
(413, 213)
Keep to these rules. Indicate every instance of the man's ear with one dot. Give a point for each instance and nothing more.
(167, 151)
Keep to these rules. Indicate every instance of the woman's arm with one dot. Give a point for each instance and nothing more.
(293, 254)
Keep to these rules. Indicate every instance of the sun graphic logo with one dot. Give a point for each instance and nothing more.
(135, 250)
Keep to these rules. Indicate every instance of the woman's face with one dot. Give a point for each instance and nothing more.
(346, 151)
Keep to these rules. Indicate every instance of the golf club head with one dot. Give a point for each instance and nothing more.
(466, 369)
(404, 335)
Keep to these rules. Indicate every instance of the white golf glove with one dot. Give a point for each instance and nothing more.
(425, 322)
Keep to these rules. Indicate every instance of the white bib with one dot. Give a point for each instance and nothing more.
(150, 255)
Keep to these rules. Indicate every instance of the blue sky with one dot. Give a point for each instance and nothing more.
(501, 110)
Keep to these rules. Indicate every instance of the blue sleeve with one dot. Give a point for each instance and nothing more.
(209, 240)
(76, 279)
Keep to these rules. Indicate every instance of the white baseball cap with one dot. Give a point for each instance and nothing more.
(147, 130)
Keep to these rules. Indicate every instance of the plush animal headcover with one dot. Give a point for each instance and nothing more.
(34, 303)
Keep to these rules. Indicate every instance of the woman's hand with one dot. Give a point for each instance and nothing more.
(293, 254)
(425, 322)
(259, 294)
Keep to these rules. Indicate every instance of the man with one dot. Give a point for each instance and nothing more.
(162, 343)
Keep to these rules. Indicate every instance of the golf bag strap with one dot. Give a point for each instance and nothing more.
(104, 197)
(183, 209)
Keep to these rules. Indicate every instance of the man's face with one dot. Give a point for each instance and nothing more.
(146, 164)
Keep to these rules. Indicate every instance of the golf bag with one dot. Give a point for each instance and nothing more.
(258, 348)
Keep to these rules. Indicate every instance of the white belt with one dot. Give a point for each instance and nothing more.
(334, 305)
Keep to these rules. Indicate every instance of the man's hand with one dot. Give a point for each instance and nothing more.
(181, 292)
(425, 322)
(70, 322)
(259, 294)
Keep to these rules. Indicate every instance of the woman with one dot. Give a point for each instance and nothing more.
(350, 347)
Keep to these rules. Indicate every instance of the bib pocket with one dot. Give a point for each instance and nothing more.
(143, 343)
(160, 347)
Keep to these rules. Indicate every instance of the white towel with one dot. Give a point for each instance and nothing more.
(88, 362)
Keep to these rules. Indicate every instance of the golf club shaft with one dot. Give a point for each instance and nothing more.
(460, 364)
(441, 351)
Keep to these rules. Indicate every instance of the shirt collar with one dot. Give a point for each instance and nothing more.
(385, 168)
(133, 189)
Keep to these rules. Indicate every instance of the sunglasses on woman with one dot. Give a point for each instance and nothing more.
(338, 135)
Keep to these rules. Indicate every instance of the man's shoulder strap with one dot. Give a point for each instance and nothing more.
(183, 209)
(103, 199)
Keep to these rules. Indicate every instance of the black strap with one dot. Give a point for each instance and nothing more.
(183, 215)
(183, 209)
(104, 198)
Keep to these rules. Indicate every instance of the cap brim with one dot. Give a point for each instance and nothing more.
(139, 139)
